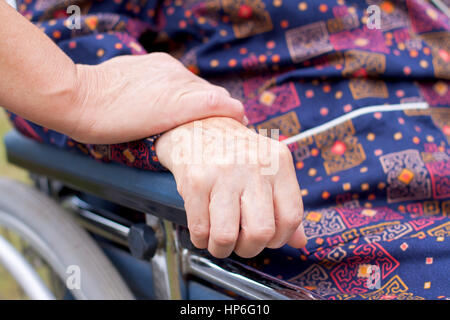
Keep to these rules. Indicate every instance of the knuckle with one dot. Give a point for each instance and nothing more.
(262, 234)
(224, 239)
(195, 180)
(293, 221)
(212, 99)
(294, 216)
(165, 60)
(195, 186)
(199, 231)
(221, 90)
(238, 106)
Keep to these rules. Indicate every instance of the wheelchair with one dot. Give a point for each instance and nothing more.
(121, 231)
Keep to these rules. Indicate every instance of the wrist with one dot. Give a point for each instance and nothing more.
(83, 93)
(163, 150)
(173, 148)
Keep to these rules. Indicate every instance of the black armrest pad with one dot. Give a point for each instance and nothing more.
(146, 191)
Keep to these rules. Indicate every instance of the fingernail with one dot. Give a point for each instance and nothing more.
(245, 120)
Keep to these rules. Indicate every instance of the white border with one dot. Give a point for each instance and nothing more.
(12, 3)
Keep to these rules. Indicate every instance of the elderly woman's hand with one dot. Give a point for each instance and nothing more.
(240, 189)
(133, 97)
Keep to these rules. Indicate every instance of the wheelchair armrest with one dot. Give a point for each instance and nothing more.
(146, 191)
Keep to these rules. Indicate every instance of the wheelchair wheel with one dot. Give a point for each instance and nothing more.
(47, 253)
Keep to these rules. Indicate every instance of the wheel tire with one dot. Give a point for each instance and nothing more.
(54, 234)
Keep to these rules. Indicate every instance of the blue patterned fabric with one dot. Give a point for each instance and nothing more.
(375, 183)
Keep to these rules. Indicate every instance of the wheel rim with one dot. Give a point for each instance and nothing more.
(36, 275)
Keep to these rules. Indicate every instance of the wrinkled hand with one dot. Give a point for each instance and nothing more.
(133, 97)
(234, 205)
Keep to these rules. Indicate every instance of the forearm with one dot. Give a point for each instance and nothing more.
(126, 98)
(38, 80)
